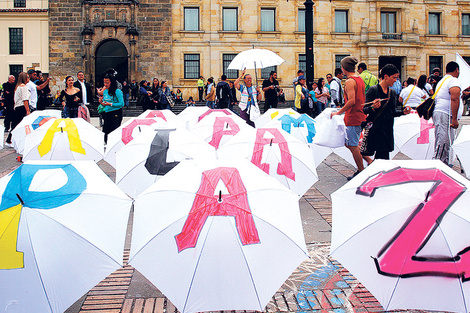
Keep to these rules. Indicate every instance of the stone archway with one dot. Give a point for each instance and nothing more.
(111, 54)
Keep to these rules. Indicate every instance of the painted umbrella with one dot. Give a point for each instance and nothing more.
(403, 228)
(230, 235)
(62, 231)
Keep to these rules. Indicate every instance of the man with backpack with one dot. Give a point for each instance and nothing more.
(223, 93)
(368, 78)
(271, 89)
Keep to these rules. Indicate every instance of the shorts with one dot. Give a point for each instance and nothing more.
(353, 134)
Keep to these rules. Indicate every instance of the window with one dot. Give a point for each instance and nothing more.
(435, 61)
(226, 59)
(230, 19)
(191, 19)
(341, 21)
(388, 22)
(466, 59)
(301, 20)
(16, 40)
(338, 58)
(19, 4)
(434, 23)
(268, 20)
(265, 71)
(302, 62)
(191, 66)
(15, 69)
(466, 24)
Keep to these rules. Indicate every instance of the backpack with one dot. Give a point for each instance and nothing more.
(223, 92)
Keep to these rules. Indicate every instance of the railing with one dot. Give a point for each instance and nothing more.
(393, 36)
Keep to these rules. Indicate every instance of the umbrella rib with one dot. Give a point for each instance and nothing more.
(37, 266)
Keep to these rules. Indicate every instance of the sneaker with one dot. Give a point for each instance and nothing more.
(352, 176)
(9, 145)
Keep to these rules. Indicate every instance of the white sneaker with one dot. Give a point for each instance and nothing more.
(9, 145)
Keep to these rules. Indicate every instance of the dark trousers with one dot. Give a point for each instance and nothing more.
(201, 93)
(111, 121)
(18, 115)
(9, 115)
(384, 155)
(270, 103)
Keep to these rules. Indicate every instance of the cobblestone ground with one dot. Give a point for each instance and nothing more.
(319, 284)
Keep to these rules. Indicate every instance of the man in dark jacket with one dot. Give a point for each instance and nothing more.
(223, 93)
(84, 87)
(8, 102)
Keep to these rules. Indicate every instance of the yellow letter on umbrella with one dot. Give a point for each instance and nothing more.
(72, 133)
(10, 258)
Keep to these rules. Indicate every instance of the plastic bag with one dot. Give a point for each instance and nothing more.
(331, 132)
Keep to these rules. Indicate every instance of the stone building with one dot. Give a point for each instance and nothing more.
(25, 33)
(133, 37)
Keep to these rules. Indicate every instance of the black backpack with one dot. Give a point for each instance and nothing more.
(223, 92)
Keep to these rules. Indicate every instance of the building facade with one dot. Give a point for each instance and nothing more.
(414, 35)
(24, 26)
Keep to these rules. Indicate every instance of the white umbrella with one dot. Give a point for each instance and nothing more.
(63, 227)
(255, 58)
(461, 147)
(65, 139)
(190, 115)
(464, 69)
(230, 236)
(274, 114)
(402, 228)
(29, 124)
(155, 152)
(276, 152)
(2, 135)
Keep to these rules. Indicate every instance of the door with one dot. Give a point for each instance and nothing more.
(111, 54)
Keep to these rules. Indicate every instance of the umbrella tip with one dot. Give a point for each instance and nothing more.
(271, 143)
(19, 198)
(220, 196)
(61, 129)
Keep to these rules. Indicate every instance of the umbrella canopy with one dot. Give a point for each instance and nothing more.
(464, 75)
(414, 137)
(65, 139)
(126, 133)
(62, 231)
(274, 114)
(216, 127)
(30, 123)
(461, 147)
(232, 237)
(255, 58)
(402, 228)
(155, 152)
(191, 114)
(276, 152)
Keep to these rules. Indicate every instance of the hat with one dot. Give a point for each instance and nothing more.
(349, 63)
(301, 77)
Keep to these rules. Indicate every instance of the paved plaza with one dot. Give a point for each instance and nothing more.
(319, 284)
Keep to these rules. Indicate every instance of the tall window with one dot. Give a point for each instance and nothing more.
(268, 20)
(265, 71)
(338, 58)
(226, 59)
(19, 4)
(15, 69)
(466, 24)
(388, 22)
(302, 62)
(435, 61)
(301, 20)
(191, 18)
(16, 40)
(341, 21)
(230, 19)
(191, 66)
(434, 23)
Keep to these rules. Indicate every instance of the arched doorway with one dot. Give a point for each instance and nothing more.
(111, 54)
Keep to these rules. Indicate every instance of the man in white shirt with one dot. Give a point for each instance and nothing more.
(411, 96)
(336, 88)
(447, 112)
(84, 87)
(32, 89)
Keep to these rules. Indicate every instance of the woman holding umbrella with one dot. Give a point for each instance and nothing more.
(250, 96)
(113, 101)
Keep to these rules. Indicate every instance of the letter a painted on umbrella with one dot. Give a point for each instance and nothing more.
(424, 129)
(210, 202)
(17, 193)
(283, 168)
(226, 112)
(399, 256)
(156, 113)
(72, 133)
(223, 126)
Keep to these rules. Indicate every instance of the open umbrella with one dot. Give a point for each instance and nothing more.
(124, 134)
(276, 152)
(274, 114)
(30, 123)
(402, 228)
(254, 59)
(461, 147)
(62, 231)
(65, 139)
(230, 236)
(153, 154)
(190, 115)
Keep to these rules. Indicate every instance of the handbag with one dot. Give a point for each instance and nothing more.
(426, 109)
(100, 109)
(170, 100)
(254, 112)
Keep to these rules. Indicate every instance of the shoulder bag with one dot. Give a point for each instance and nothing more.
(426, 109)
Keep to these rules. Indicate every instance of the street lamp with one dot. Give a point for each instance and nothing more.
(309, 42)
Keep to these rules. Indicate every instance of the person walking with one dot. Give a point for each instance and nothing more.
(382, 109)
(165, 95)
(223, 93)
(9, 102)
(84, 87)
(70, 98)
(447, 112)
(337, 93)
(250, 96)
(210, 93)
(271, 90)
(134, 90)
(322, 94)
(21, 100)
(145, 99)
(113, 101)
(233, 96)
(155, 96)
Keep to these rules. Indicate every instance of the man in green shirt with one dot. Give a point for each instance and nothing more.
(368, 78)
(200, 88)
